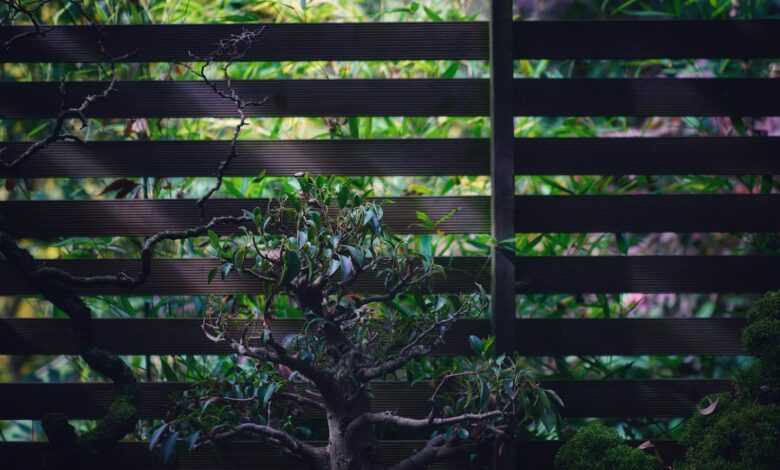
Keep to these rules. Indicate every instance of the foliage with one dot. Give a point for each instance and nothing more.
(315, 245)
(740, 430)
(597, 447)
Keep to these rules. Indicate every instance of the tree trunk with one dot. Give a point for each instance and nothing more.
(354, 451)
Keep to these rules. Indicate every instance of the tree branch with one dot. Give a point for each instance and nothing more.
(436, 449)
(123, 412)
(229, 50)
(315, 456)
(147, 254)
(388, 417)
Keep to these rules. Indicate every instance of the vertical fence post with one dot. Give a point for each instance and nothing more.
(502, 173)
(502, 178)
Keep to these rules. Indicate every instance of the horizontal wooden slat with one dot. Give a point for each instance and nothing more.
(190, 276)
(244, 455)
(289, 42)
(647, 213)
(645, 39)
(586, 398)
(411, 97)
(395, 41)
(536, 274)
(144, 218)
(634, 213)
(391, 157)
(648, 156)
(401, 157)
(648, 274)
(647, 97)
(536, 337)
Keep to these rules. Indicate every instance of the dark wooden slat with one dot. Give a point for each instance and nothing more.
(190, 276)
(395, 41)
(648, 213)
(536, 455)
(586, 398)
(288, 42)
(392, 157)
(146, 217)
(402, 157)
(241, 455)
(412, 97)
(536, 274)
(535, 337)
(648, 274)
(647, 97)
(635, 213)
(648, 156)
(646, 39)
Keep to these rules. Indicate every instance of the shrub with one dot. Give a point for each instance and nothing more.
(597, 447)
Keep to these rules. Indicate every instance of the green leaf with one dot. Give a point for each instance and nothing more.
(356, 254)
(214, 240)
(476, 344)
(269, 392)
(169, 448)
(212, 273)
(292, 266)
(156, 436)
(192, 440)
(354, 128)
(346, 267)
(450, 73)
(432, 14)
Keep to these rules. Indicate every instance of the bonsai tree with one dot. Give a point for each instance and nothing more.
(318, 249)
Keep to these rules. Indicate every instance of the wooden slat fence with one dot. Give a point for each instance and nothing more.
(415, 97)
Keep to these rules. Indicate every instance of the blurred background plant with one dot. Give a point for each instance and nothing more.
(530, 244)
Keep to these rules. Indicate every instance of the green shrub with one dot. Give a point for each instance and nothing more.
(743, 431)
(597, 447)
(739, 435)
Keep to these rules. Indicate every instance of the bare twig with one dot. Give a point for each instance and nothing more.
(17, 8)
(67, 113)
(229, 50)
(147, 254)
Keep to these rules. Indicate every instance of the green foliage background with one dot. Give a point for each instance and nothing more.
(539, 306)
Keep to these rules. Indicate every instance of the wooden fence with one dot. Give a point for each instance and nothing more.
(503, 156)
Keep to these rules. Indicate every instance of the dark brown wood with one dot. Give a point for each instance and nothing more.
(241, 455)
(533, 214)
(244, 455)
(647, 97)
(396, 41)
(648, 213)
(391, 157)
(582, 398)
(502, 175)
(536, 274)
(534, 337)
(643, 39)
(288, 42)
(403, 157)
(648, 274)
(190, 276)
(48, 219)
(648, 156)
(412, 97)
